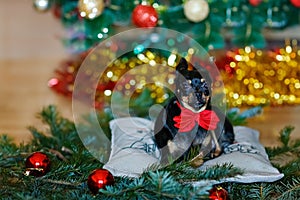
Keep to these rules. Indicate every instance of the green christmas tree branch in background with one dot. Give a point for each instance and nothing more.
(236, 22)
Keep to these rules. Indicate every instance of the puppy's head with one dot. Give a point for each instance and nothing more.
(193, 86)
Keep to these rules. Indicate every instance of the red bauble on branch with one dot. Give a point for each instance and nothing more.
(296, 3)
(37, 164)
(255, 2)
(144, 16)
(218, 193)
(56, 11)
(99, 179)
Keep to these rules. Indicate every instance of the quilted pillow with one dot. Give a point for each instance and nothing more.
(132, 147)
(133, 151)
(249, 155)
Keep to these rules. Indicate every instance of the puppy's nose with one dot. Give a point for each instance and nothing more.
(204, 91)
(200, 97)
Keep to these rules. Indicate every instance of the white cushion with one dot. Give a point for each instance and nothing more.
(133, 151)
(249, 155)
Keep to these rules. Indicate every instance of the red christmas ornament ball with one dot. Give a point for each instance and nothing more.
(56, 11)
(144, 16)
(255, 2)
(37, 164)
(296, 3)
(99, 179)
(218, 193)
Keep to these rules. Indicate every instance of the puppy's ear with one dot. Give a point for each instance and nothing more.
(182, 65)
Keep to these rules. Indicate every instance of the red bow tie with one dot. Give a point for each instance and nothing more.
(187, 119)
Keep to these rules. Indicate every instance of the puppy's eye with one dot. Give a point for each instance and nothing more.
(186, 88)
(204, 89)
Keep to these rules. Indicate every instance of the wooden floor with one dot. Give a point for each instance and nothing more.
(30, 51)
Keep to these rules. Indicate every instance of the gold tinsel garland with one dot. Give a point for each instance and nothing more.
(258, 77)
(251, 77)
(131, 74)
(263, 77)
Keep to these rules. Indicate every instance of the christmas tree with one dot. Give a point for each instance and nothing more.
(232, 31)
(212, 23)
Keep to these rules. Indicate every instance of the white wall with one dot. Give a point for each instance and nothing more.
(25, 33)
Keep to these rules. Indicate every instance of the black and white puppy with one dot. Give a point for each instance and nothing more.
(189, 120)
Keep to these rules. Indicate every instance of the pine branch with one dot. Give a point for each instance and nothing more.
(261, 191)
(289, 189)
(285, 135)
(154, 185)
(237, 117)
(185, 173)
(71, 164)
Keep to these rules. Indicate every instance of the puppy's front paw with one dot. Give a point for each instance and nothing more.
(176, 149)
(197, 161)
(172, 146)
(217, 152)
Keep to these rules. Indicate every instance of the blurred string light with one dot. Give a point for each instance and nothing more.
(263, 77)
(145, 76)
(90, 9)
